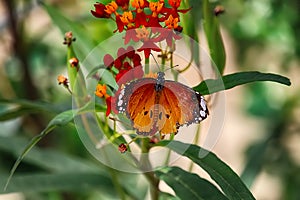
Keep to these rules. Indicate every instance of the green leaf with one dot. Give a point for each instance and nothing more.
(191, 23)
(75, 181)
(23, 107)
(167, 196)
(188, 185)
(222, 174)
(94, 71)
(213, 35)
(229, 81)
(45, 158)
(60, 120)
(254, 162)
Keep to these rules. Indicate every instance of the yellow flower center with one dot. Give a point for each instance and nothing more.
(101, 91)
(127, 18)
(111, 7)
(155, 7)
(138, 4)
(171, 22)
(142, 33)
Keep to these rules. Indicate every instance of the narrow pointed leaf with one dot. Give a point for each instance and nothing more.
(188, 185)
(220, 172)
(229, 81)
(213, 36)
(60, 120)
(22, 107)
(71, 181)
(47, 159)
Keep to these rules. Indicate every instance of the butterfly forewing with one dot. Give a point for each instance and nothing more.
(138, 102)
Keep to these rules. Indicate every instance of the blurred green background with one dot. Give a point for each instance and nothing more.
(261, 131)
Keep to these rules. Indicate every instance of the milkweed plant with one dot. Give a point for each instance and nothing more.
(147, 37)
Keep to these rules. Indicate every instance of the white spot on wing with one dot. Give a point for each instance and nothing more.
(203, 104)
(120, 102)
(202, 113)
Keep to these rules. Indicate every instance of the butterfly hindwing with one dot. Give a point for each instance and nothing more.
(191, 105)
(171, 112)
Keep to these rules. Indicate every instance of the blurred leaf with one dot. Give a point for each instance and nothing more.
(213, 35)
(191, 24)
(60, 120)
(45, 158)
(167, 196)
(65, 25)
(220, 172)
(254, 163)
(24, 107)
(69, 181)
(137, 191)
(210, 86)
(188, 185)
(94, 71)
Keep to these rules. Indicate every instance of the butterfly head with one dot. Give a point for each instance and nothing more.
(160, 81)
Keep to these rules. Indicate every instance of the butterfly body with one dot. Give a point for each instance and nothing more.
(159, 105)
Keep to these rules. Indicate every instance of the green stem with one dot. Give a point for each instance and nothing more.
(146, 166)
(169, 151)
(154, 183)
(196, 139)
(163, 62)
(175, 73)
(147, 62)
(116, 183)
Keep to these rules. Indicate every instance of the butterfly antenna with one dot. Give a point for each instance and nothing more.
(159, 69)
(172, 67)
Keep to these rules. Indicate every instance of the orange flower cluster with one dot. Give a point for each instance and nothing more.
(143, 21)
(143, 18)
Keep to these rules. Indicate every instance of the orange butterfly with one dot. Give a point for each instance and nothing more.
(159, 105)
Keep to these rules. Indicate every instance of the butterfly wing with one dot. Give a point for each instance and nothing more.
(181, 105)
(137, 100)
(164, 110)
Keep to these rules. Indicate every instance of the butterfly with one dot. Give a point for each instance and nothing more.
(158, 105)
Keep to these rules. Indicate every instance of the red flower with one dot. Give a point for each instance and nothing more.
(174, 10)
(156, 8)
(110, 103)
(141, 17)
(108, 60)
(174, 3)
(123, 3)
(169, 36)
(126, 75)
(121, 53)
(120, 24)
(136, 59)
(100, 11)
(149, 46)
(130, 35)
